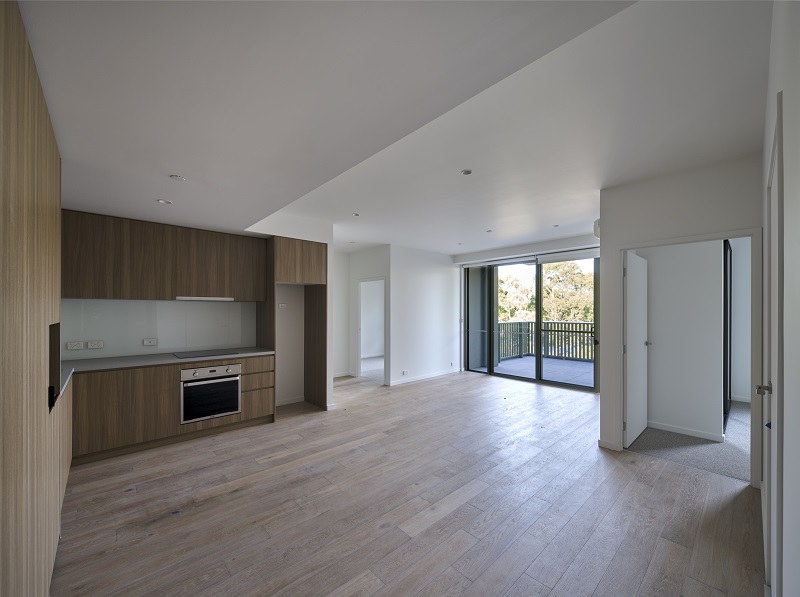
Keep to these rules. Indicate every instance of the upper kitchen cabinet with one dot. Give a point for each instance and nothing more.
(150, 271)
(104, 257)
(94, 252)
(248, 268)
(300, 261)
(203, 265)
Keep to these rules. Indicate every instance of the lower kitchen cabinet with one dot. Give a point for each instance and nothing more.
(102, 412)
(156, 393)
(258, 403)
(126, 407)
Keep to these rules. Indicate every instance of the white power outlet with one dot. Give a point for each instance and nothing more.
(95, 344)
(150, 341)
(405, 371)
(75, 345)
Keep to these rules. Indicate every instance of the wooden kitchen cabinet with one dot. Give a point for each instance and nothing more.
(300, 261)
(126, 407)
(203, 264)
(156, 394)
(258, 403)
(102, 411)
(94, 253)
(248, 266)
(105, 257)
(149, 270)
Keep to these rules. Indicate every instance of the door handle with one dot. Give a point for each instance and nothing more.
(767, 389)
(648, 343)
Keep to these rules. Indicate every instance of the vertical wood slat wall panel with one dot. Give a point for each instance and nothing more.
(30, 238)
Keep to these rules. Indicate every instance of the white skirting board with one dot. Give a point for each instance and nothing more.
(686, 431)
(406, 379)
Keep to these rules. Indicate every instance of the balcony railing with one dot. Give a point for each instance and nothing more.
(571, 340)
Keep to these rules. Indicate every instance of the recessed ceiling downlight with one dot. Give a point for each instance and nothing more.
(177, 177)
(164, 201)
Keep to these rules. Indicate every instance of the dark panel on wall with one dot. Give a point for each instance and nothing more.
(315, 345)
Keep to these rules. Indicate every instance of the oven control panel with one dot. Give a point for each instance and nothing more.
(210, 372)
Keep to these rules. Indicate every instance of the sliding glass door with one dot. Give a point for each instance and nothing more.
(567, 331)
(532, 321)
(478, 282)
(515, 325)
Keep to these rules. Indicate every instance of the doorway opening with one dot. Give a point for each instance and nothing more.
(371, 330)
(533, 320)
(687, 354)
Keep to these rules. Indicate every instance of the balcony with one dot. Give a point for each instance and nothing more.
(568, 351)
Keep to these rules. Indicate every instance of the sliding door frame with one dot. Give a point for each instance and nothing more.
(492, 305)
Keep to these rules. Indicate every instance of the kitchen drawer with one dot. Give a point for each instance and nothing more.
(258, 403)
(258, 364)
(256, 381)
(249, 364)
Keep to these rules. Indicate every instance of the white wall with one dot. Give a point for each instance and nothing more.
(425, 337)
(684, 324)
(369, 264)
(372, 318)
(717, 201)
(784, 75)
(340, 340)
(177, 325)
(289, 356)
(740, 316)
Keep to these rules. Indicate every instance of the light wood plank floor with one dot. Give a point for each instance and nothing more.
(461, 485)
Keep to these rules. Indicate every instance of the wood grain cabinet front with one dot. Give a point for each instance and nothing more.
(94, 253)
(248, 267)
(102, 412)
(156, 394)
(300, 261)
(203, 263)
(105, 257)
(125, 407)
(150, 270)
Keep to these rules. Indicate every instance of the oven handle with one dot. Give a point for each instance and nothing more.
(214, 380)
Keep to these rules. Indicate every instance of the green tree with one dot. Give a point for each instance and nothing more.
(568, 295)
(516, 300)
(568, 292)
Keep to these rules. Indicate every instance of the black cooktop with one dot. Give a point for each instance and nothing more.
(193, 354)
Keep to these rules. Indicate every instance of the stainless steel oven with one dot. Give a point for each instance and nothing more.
(210, 392)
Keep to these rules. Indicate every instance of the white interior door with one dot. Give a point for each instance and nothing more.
(772, 387)
(635, 350)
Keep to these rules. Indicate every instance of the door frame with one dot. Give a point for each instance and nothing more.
(756, 416)
(772, 408)
(357, 368)
(492, 306)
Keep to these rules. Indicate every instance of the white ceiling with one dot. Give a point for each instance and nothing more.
(324, 109)
(259, 103)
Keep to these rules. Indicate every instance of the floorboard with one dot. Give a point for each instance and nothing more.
(465, 484)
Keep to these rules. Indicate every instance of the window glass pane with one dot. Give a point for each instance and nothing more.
(515, 333)
(567, 327)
